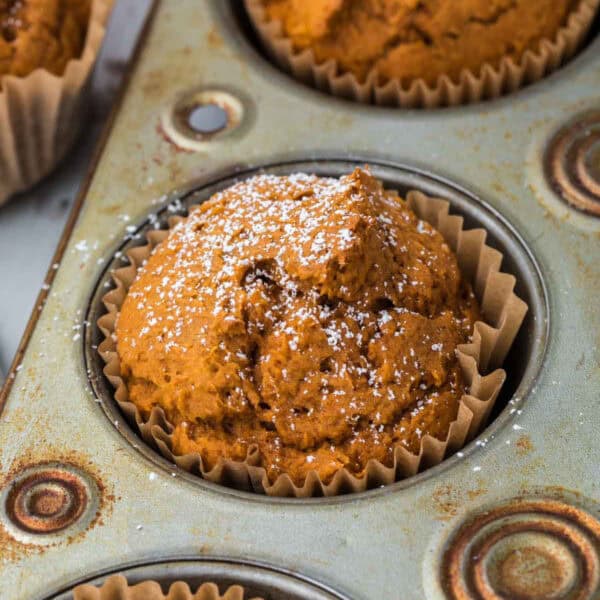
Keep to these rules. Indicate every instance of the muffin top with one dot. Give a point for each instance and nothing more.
(41, 34)
(316, 319)
(418, 39)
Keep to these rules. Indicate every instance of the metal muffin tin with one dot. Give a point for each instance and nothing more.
(512, 515)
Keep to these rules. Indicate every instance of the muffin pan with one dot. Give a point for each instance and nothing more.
(413, 539)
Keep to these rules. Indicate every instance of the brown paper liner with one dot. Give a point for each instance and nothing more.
(491, 82)
(41, 114)
(117, 588)
(502, 310)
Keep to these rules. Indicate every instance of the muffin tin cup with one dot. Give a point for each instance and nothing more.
(193, 578)
(480, 360)
(41, 114)
(117, 588)
(491, 82)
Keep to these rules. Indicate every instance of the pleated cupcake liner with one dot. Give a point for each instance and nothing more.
(41, 114)
(117, 588)
(492, 81)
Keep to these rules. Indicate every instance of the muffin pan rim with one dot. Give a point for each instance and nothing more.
(239, 566)
(539, 310)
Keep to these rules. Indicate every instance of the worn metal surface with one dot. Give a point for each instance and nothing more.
(386, 543)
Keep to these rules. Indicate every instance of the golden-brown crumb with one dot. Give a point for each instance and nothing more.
(418, 39)
(41, 34)
(316, 318)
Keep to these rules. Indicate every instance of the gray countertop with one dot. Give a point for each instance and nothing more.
(31, 223)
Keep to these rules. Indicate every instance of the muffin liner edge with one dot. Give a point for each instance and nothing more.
(117, 588)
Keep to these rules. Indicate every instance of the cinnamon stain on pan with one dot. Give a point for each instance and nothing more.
(530, 469)
(172, 145)
(19, 420)
(205, 549)
(524, 445)
(112, 209)
(449, 500)
(501, 190)
(152, 84)
(473, 494)
(214, 39)
(13, 550)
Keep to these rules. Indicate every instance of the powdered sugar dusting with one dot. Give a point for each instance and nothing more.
(303, 314)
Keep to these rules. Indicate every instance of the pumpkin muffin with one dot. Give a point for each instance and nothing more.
(314, 319)
(41, 34)
(47, 53)
(407, 40)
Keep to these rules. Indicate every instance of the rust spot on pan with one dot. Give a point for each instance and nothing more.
(573, 163)
(161, 132)
(214, 38)
(47, 500)
(52, 501)
(448, 500)
(528, 549)
(524, 445)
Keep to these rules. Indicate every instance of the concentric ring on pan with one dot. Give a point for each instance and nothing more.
(256, 578)
(530, 342)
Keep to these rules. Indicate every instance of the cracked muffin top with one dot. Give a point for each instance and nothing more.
(314, 319)
(41, 34)
(418, 39)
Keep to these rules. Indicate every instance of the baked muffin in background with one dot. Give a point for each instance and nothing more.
(41, 34)
(418, 39)
(421, 53)
(315, 318)
(47, 52)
